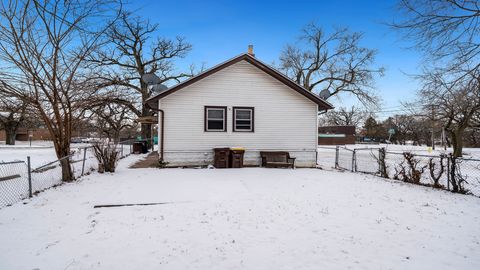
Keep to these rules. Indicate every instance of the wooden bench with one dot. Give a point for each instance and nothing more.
(277, 159)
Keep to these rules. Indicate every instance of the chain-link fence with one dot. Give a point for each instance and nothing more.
(345, 159)
(46, 176)
(440, 171)
(366, 160)
(466, 175)
(13, 182)
(326, 157)
(18, 180)
(125, 148)
(417, 168)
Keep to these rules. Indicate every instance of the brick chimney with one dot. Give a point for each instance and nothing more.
(250, 50)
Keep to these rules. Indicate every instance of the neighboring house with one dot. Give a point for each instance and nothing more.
(336, 135)
(239, 103)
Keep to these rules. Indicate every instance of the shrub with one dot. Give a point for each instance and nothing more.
(107, 156)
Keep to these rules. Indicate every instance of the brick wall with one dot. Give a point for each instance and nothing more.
(340, 135)
(22, 134)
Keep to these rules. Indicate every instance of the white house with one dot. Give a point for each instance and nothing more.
(242, 102)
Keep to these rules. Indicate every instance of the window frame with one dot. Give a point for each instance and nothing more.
(205, 118)
(252, 119)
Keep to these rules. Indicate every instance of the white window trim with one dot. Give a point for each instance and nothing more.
(251, 110)
(224, 119)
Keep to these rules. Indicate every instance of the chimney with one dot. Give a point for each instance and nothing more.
(250, 50)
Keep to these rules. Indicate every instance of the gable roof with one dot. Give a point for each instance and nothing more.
(152, 102)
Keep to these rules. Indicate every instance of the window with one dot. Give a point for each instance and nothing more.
(243, 119)
(215, 118)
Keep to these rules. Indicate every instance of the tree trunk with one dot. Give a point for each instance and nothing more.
(10, 132)
(116, 136)
(453, 175)
(458, 149)
(457, 142)
(447, 141)
(10, 135)
(63, 151)
(147, 134)
(67, 172)
(146, 131)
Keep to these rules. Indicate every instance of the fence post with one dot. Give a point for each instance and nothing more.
(354, 164)
(84, 158)
(29, 177)
(336, 156)
(379, 160)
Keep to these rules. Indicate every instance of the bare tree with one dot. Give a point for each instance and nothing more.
(335, 62)
(445, 30)
(43, 48)
(457, 103)
(112, 119)
(408, 127)
(135, 52)
(353, 116)
(12, 115)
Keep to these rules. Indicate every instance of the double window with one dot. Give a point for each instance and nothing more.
(216, 119)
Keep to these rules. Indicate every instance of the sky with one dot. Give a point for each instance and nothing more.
(220, 30)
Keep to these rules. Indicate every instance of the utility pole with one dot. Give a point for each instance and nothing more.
(433, 127)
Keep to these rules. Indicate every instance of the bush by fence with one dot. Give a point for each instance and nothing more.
(460, 175)
(18, 180)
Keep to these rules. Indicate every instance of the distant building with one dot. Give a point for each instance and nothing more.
(336, 135)
(22, 134)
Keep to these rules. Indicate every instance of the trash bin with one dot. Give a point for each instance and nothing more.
(137, 147)
(221, 158)
(140, 147)
(145, 146)
(236, 157)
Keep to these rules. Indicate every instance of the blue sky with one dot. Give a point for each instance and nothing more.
(219, 30)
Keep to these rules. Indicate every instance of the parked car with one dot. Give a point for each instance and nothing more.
(77, 140)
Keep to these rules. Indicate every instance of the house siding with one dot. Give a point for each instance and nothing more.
(284, 119)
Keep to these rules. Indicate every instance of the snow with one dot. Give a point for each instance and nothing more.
(249, 218)
(41, 152)
(416, 149)
(366, 160)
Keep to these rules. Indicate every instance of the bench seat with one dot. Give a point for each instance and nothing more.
(277, 159)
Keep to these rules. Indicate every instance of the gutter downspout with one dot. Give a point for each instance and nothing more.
(162, 132)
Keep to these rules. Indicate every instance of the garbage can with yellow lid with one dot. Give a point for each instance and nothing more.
(236, 157)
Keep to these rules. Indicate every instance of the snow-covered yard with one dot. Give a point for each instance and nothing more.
(251, 218)
(40, 152)
(396, 148)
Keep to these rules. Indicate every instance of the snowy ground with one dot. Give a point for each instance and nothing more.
(419, 150)
(251, 218)
(40, 152)
(366, 157)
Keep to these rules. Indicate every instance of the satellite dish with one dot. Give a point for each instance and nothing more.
(157, 88)
(151, 79)
(324, 94)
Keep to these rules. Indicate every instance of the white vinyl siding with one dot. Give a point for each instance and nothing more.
(283, 119)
